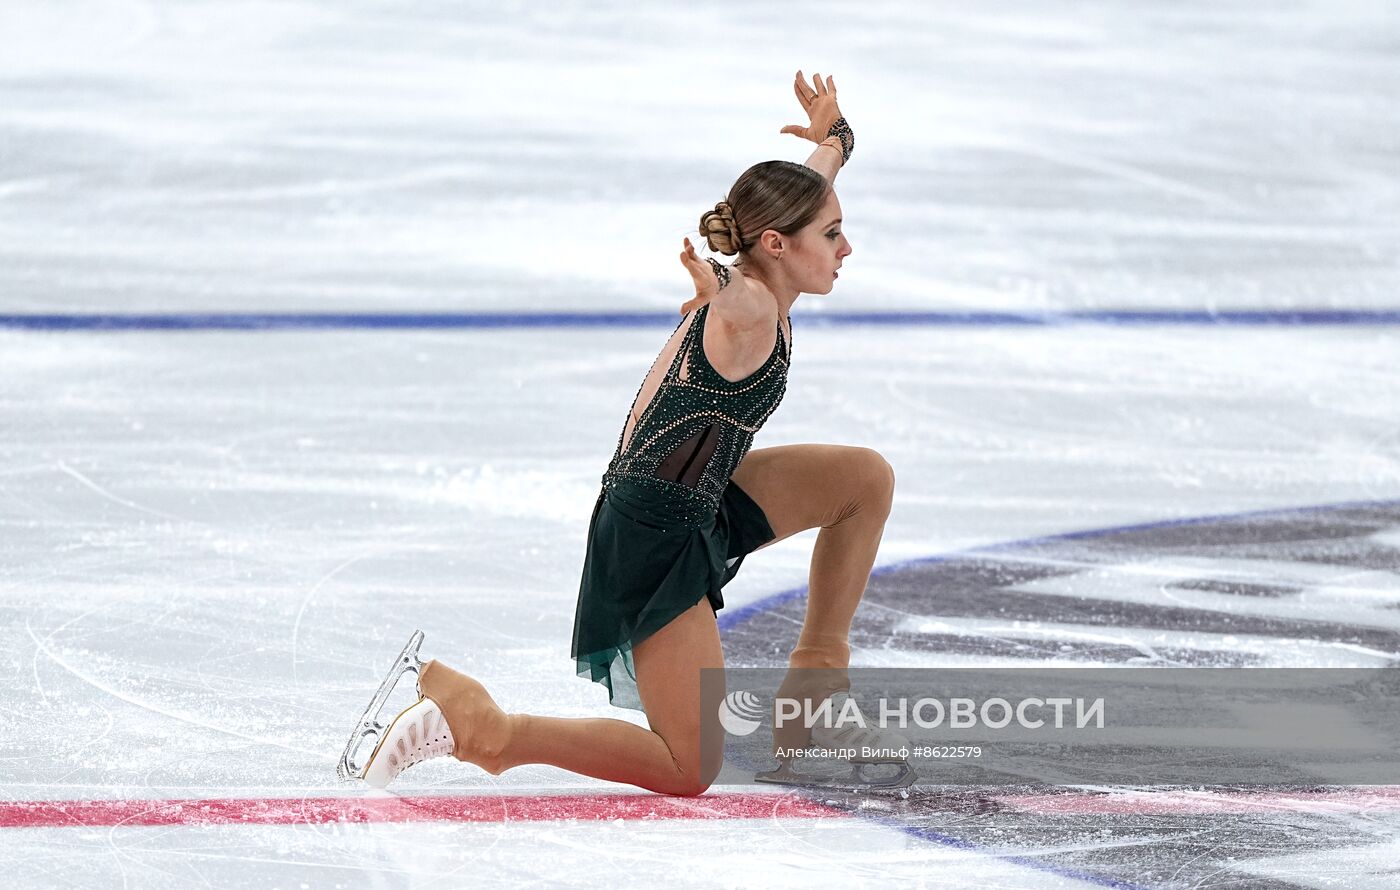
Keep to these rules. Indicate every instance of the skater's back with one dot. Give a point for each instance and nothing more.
(690, 425)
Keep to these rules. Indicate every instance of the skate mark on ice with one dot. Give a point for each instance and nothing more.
(182, 716)
(88, 483)
(306, 601)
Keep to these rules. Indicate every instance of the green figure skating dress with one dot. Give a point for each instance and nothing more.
(669, 526)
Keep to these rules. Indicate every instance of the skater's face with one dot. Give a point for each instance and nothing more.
(817, 250)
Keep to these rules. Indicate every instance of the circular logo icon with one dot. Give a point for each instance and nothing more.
(740, 713)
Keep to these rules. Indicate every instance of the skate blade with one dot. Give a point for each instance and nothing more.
(384, 737)
(858, 777)
(369, 732)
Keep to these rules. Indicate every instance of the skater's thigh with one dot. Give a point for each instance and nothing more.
(800, 487)
(668, 665)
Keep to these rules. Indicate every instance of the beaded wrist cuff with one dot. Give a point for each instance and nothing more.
(721, 272)
(842, 130)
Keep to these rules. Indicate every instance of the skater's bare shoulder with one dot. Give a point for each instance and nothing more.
(741, 324)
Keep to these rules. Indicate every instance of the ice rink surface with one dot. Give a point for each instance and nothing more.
(213, 542)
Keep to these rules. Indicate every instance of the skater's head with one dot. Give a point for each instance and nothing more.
(784, 221)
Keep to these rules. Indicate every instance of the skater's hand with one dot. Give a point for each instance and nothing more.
(819, 101)
(703, 274)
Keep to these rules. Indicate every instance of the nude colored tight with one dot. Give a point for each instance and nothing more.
(845, 492)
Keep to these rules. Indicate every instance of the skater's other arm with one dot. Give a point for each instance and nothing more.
(818, 99)
(739, 305)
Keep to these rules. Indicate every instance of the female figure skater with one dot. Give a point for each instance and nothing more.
(684, 500)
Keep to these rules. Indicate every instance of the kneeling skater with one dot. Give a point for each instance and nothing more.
(682, 502)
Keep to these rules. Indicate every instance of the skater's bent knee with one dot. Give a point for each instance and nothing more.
(885, 475)
(690, 784)
(875, 476)
(692, 775)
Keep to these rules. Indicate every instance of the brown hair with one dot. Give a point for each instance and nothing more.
(778, 195)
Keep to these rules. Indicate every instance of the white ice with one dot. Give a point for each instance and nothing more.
(212, 543)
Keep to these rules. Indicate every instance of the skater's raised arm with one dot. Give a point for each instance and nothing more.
(826, 160)
(826, 127)
(784, 222)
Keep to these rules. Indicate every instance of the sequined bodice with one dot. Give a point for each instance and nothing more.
(696, 428)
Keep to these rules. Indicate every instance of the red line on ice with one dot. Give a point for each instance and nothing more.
(461, 808)
(606, 807)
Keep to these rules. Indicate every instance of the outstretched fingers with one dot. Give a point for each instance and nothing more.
(691, 259)
(697, 267)
(700, 273)
(806, 95)
(823, 88)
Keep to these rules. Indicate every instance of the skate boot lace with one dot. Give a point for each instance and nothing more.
(418, 734)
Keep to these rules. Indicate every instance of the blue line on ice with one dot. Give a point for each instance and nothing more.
(230, 321)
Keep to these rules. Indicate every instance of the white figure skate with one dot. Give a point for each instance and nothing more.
(416, 735)
(369, 733)
(879, 759)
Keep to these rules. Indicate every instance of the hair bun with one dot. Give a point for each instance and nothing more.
(720, 231)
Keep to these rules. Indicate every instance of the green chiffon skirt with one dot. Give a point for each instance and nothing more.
(651, 556)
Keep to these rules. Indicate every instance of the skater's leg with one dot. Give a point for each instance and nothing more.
(665, 758)
(844, 491)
